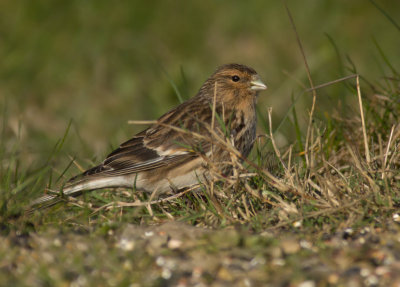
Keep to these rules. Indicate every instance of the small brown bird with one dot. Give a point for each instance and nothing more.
(173, 152)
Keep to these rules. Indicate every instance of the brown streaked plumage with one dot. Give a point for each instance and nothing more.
(172, 153)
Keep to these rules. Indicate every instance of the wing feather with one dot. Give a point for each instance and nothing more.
(135, 156)
(159, 145)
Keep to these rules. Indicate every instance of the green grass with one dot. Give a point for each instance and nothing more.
(73, 75)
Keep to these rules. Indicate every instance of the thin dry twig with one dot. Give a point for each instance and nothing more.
(367, 154)
(133, 122)
(388, 149)
(212, 127)
(332, 82)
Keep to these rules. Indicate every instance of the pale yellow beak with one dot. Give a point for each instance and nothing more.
(257, 85)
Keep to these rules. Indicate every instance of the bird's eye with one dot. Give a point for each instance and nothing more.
(235, 78)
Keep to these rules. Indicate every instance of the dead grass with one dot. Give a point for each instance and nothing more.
(322, 209)
(350, 174)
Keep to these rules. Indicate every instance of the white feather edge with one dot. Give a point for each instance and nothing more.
(95, 183)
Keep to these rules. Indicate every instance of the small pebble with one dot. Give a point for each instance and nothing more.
(364, 272)
(305, 244)
(308, 283)
(297, 224)
(160, 261)
(166, 273)
(278, 262)
(174, 244)
(333, 279)
(371, 280)
(290, 246)
(126, 244)
(57, 242)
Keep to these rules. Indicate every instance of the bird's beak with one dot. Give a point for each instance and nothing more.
(257, 85)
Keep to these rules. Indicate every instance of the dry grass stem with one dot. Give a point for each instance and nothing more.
(118, 204)
(367, 154)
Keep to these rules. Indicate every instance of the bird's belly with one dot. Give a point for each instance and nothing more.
(178, 182)
(173, 178)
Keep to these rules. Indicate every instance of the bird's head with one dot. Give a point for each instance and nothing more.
(233, 81)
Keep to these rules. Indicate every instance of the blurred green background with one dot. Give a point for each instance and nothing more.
(102, 63)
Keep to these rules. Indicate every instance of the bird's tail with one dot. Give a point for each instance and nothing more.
(73, 188)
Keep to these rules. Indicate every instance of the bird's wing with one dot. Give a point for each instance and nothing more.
(168, 142)
(136, 155)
